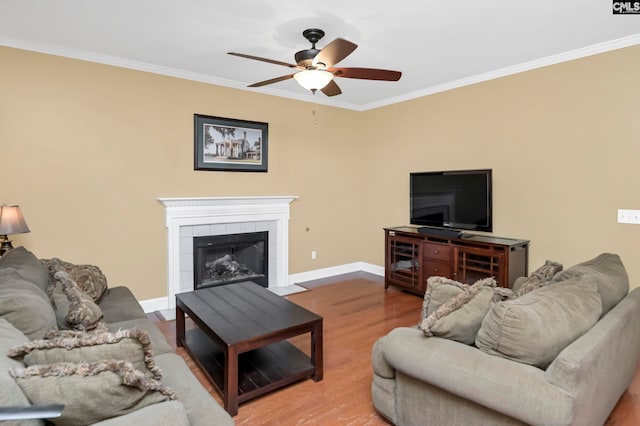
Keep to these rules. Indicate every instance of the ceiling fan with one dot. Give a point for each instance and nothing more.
(316, 66)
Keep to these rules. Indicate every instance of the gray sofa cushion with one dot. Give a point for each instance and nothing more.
(168, 413)
(11, 394)
(25, 305)
(27, 266)
(609, 273)
(534, 328)
(201, 408)
(119, 304)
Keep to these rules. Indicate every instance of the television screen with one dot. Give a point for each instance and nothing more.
(452, 199)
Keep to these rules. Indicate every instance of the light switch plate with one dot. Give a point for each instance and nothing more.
(629, 216)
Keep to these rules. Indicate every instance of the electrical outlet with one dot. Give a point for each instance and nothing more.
(314, 255)
(629, 216)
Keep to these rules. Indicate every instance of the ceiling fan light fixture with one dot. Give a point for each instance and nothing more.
(313, 79)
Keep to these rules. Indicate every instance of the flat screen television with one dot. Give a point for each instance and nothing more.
(459, 199)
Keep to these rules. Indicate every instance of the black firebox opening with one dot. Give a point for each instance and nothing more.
(231, 258)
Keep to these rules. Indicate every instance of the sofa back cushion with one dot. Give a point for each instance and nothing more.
(25, 305)
(536, 327)
(27, 266)
(609, 273)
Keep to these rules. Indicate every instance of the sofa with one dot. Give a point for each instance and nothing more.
(510, 374)
(29, 321)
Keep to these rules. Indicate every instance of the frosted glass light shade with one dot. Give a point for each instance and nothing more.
(313, 79)
(12, 221)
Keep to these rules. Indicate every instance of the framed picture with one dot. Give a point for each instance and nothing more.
(230, 145)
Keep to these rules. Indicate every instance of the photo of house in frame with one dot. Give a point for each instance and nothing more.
(230, 145)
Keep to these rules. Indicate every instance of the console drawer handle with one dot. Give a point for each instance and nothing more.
(435, 269)
(436, 251)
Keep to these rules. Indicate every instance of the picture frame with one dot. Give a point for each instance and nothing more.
(227, 144)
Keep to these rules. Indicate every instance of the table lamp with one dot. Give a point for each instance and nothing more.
(11, 222)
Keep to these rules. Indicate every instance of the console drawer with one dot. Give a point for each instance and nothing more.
(438, 269)
(437, 251)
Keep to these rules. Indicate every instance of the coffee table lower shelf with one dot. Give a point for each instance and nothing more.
(259, 371)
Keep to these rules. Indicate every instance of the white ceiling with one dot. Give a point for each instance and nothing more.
(437, 44)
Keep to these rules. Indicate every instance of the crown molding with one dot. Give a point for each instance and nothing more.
(203, 78)
(515, 69)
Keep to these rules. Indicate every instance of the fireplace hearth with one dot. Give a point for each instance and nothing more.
(231, 258)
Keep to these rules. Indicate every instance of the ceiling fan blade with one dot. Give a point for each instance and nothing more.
(257, 58)
(271, 81)
(366, 73)
(334, 52)
(331, 89)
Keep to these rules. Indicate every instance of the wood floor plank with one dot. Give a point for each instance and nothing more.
(357, 311)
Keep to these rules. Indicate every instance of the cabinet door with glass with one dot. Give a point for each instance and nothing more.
(403, 259)
(474, 263)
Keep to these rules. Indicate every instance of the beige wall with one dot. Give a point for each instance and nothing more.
(563, 142)
(87, 148)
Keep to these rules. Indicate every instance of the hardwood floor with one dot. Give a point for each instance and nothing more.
(356, 311)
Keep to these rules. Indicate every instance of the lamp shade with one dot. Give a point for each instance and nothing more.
(313, 79)
(12, 221)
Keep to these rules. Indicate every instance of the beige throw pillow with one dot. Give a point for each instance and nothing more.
(536, 327)
(130, 345)
(91, 392)
(82, 312)
(89, 278)
(460, 317)
(538, 278)
(439, 291)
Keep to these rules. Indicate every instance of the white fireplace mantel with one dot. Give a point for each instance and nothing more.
(192, 211)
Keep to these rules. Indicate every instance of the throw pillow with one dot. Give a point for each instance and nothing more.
(536, 327)
(609, 273)
(130, 345)
(460, 318)
(83, 313)
(89, 278)
(439, 291)
(538, 278)
(91, 392)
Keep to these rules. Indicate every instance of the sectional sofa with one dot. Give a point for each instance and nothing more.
(167, 394)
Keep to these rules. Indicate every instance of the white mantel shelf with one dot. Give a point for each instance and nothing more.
(190, 211)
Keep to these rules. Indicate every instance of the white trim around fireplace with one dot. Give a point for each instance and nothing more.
(194, 211)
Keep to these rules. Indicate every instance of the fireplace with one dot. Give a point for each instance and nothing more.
(230, 258)
(190, 217)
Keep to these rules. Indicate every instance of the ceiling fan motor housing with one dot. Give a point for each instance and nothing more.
(304, 58)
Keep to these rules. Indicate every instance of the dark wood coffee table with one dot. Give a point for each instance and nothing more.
(240, 342)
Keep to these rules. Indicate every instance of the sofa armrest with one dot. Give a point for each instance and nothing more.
(515, 389)
(600, 365)
(380, 365)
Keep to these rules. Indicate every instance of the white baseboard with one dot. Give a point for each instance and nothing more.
(162, 303)
(157, 304)
(335, 270)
